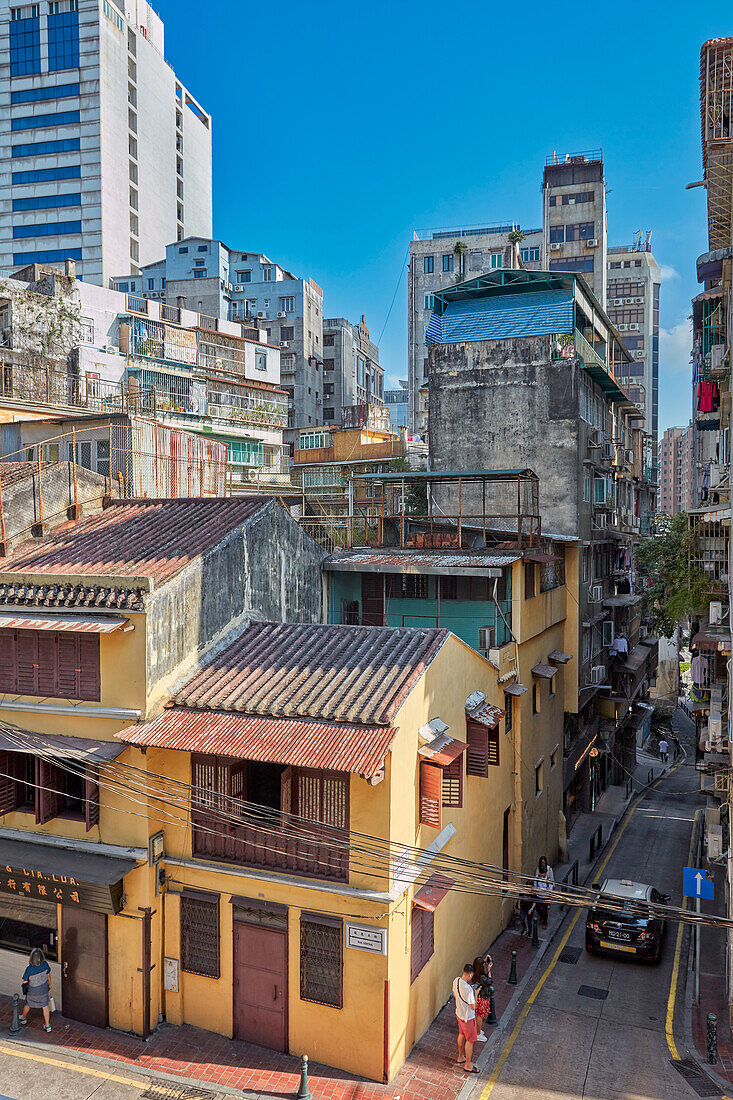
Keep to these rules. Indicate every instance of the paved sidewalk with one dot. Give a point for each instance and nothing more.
(430, 1072)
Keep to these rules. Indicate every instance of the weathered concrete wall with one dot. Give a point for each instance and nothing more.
(22, 500)
(504, 404)
(268, 569)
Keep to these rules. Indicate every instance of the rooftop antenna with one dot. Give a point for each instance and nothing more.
(648, 246)
(636, 246)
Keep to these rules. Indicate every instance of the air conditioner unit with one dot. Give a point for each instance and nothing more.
(600, 520)
(629, 456)
(260, 313)
(623, 328)
(555, 247)
(715, 729)
(280, 314)
(608, 449)
(592, 243)
(494, 656)
(593, 440)
(638, 301)
(486, 638)
(617, 302)
(634, 327)
(716, 613)
(238, 288)
(638, 354)
(714, 840)
(597, 674)
(717, 352)
(284, 344)
(596, 593)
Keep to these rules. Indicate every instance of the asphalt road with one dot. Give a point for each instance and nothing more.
(571, 1046)
(28, 1072)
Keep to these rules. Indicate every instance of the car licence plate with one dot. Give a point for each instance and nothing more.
(618, 946)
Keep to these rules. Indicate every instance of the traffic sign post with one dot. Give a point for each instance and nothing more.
(696, 884)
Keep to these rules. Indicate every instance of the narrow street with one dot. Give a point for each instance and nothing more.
(30, 1073)
(596, 1027)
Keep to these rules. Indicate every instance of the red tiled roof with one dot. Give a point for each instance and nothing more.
(153, 538)
(357, 749)
(357, 674)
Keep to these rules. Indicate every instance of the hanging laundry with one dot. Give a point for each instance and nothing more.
(708, 396)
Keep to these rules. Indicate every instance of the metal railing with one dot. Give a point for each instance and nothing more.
(137, 305)
(38, 384)
(170, 313)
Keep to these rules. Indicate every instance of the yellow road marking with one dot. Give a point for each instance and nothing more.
(496, 1072)
(669, 1025)
(16, 1053)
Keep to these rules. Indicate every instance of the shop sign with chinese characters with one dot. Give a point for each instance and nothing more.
(45, 886)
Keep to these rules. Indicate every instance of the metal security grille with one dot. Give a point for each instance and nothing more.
(321, 962)
(200, 936)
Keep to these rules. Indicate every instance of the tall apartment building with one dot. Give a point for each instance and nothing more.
(675, 462)
(351, 371)
(219, 282)
(574, 217)
(440, 258)
(105, 156)
(534, 384)
(634, 283)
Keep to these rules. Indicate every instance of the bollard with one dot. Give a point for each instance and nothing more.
(712, 1038)
(15, 1025)
(513, 970)
(491, 1018)
(535, 933)
(303, 1092)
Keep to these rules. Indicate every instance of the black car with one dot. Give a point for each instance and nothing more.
(627, 924)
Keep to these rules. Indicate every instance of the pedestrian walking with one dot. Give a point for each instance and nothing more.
(482, 966)
(664, 750)
(527, 906)
(465, 999)
(544, 884)
(36, 986)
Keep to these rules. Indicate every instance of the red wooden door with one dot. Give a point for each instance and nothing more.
(260, 986)
(84, 966)
(372, 599)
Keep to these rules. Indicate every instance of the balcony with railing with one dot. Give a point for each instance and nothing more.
(40, 385)
(253, 407)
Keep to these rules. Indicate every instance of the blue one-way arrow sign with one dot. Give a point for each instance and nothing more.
(695, 884)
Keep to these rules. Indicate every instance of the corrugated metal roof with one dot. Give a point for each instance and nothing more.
(358, 674)
(78, 624)
(442, 750)
(345, 748)
(154, 538)
(486, 714)
(417, 561)
(503, 317)
(15, 739)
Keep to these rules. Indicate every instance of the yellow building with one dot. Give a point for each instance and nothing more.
(299, 935)
(97, 620)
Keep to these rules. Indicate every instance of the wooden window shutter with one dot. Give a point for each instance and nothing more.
(66, 649)
(88, 667)
(431, 795)
(452, 785)
(46, 673)
(335, 800)
(8, 661)
(493, 743)
(477, 753)
(9, 789)
(286, 791)
(422, 939)
(91, 798)
(48, 791)
(27, 662)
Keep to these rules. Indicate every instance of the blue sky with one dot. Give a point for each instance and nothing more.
(338, 129)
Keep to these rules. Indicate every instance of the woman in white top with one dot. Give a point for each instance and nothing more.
(544, 884)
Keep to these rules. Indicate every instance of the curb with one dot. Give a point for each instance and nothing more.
(509, 1012)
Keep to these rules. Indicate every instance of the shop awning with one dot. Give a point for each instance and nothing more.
(432, 893)
(544, 672)
(76, 624)
(515, 689)
(559, 657)
(15, 739)
(75, 878)
(540, 556)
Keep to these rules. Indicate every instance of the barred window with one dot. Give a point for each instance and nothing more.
(321, 960)
(200, 933)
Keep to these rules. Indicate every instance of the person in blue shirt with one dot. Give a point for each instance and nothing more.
(37, 987)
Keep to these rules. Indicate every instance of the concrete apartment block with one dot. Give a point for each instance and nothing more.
(574, 217)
